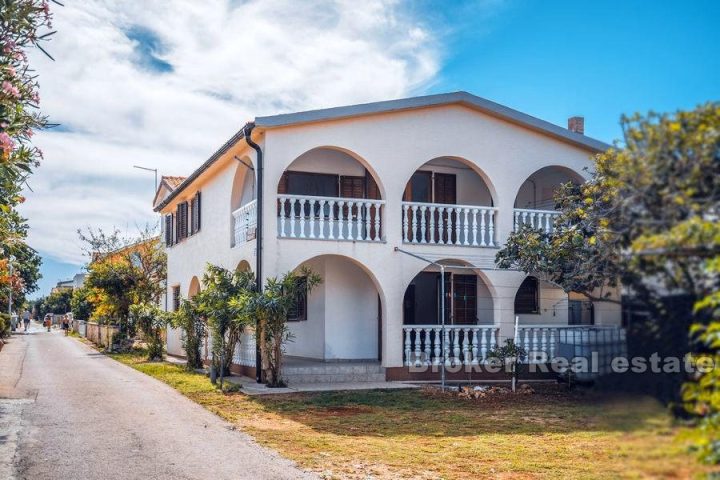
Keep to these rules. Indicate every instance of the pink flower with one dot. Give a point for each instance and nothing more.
(10, 89)
(6, 143)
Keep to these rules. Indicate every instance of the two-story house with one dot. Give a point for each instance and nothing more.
(378, 199)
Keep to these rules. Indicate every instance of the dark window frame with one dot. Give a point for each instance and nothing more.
(527, 298)
(300, 311)
(175, 297)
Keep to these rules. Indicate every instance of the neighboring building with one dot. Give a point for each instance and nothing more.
(62, 285)
(443, 177)
(78, 280)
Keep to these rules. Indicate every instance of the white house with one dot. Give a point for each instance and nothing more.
(377, 198)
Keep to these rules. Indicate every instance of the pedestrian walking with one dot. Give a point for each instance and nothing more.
(26, 319)
(66, 324)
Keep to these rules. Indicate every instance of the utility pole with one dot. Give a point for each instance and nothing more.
(154, 170)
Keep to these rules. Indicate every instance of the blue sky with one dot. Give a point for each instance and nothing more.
(166, 91)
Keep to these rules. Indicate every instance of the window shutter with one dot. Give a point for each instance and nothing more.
(198, 211)
(283, 185)
(168, 230)
(373, 191)
(352, 187)
(192, 216)
(181, 221)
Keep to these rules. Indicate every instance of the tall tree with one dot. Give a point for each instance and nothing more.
(648, 217)
(24, 24)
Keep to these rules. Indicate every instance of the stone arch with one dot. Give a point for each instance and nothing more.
(536, 191)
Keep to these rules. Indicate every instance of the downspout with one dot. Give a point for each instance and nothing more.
(247, 131)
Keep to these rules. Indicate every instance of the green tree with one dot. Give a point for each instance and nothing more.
(23, 27)
(80, 304)
(57, 302)
(648, 217)
(122, 272)
(151, 321)
(187, 318)
(213, 302)
(270, 309)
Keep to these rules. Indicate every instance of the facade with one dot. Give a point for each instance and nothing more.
(377, 199)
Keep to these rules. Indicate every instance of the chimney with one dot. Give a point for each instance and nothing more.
(577, 125)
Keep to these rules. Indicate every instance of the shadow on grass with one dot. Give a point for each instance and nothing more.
(402, 413)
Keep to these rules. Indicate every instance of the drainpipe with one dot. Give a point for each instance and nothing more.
(247, 131)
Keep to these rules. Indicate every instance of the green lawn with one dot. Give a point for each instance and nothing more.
(419, 434)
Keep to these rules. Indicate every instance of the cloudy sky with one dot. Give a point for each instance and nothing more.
(163, 83)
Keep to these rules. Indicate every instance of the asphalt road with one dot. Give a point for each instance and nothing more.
(67, 412)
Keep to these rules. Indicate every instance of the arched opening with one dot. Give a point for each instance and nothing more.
(535, 200)
(538, 191)
(340, 319)
(330, 193)
(539, 302)
(468, 315)
(243, 202)
(243, 266)
(194, 288)
(449, 201)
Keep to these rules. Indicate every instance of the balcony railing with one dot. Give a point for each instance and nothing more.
(443, 224)
(330, 218)
(245, 219)
(538, 219)
(544, 342)
(464, 344)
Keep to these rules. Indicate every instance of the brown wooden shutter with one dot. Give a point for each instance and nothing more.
(373, 191)
(445, 188)
(192, 216)
(283, 185)
(352, 187)
(182, 221)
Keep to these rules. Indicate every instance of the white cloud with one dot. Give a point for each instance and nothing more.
(230, 61)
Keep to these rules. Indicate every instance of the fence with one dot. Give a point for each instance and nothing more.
(99, 334)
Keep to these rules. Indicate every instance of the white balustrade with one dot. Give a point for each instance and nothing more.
(463, 344)
(444, 224)
(245, 220)
(538, 219)
(542, 342)
(329, 218)
(245, 349)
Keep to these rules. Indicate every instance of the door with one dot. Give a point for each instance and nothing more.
(445, 192)
(465, 299)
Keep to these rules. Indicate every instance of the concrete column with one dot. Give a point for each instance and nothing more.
(392, 334)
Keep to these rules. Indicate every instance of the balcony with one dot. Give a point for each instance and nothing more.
(443, 224)
(330, 218)
(245, 221)
(537, 219)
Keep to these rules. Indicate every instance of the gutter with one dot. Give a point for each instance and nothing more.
(247, 133)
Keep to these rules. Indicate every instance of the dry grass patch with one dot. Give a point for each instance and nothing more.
(421, 435)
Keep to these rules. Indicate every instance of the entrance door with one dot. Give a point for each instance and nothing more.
(421, 305)
(445, 192)
(465, 299)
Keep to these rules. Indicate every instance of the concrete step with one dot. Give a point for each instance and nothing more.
(354, 372)
(299, 379)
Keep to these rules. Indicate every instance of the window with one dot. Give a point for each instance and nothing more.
(527, 298)
(316, 184)
(169, 230)
(176, 298)
(181, 222)
(299, 311)
(195, 209)
(421, 304)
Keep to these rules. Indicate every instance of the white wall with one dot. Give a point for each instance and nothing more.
(342, 314)
(553, 307)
